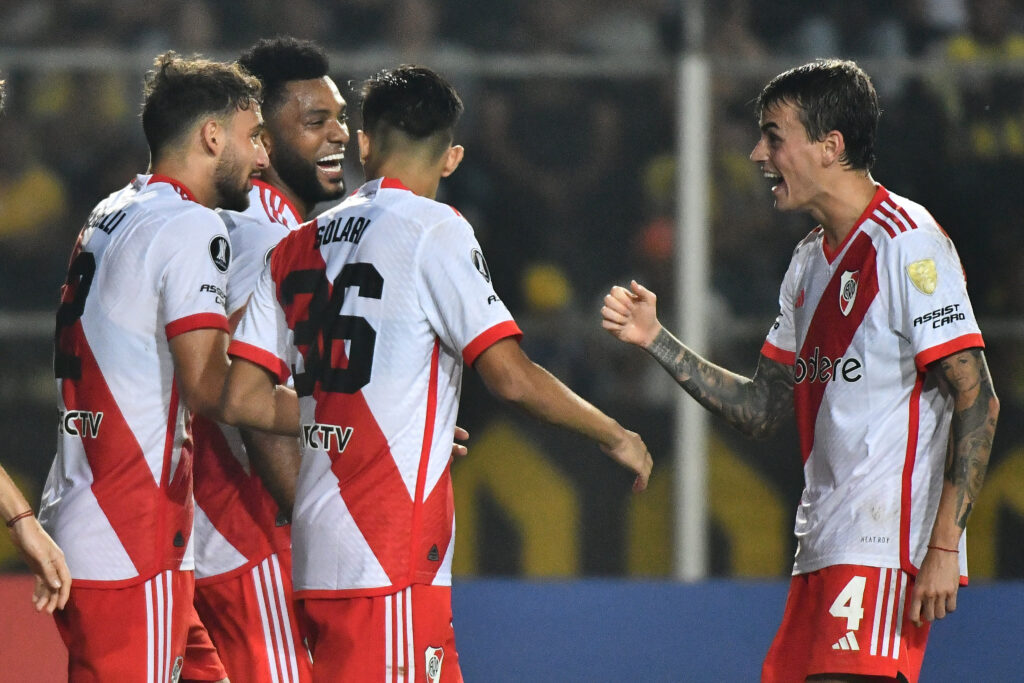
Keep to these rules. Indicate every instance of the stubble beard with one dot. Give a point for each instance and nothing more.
(232, 193)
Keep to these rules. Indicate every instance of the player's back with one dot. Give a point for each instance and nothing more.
(149, 265)
(383, 303)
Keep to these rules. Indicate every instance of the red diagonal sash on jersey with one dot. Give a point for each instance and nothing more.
(831, 331)
(234, 500)
(122, 481)
(369, 480)
(376, 496)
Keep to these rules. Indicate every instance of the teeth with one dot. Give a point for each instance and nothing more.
(331, 158)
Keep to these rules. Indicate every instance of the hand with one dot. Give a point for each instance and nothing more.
(631, 315)
(631, 452)
(46, 560)
(458, 450)
(935, 589)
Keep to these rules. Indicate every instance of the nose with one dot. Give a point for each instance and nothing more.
(339, 132)
(758, 154)
(262, 159)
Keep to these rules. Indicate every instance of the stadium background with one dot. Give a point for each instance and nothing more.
(571, 133)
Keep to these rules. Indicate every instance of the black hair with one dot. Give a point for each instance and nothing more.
(413, 100)
(830, 94)
(276, 61)
(181, 90)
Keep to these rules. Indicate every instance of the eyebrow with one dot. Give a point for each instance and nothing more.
(769, 125)
(322, 112)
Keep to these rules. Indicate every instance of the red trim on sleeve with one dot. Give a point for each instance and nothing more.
(488, 337)
(260, 357)
(198, 321)
(769, 350)
(929, 356)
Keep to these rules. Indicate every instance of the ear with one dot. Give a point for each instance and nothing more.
(833, 147)
(452, 158)
(213, 137)
(364, 146)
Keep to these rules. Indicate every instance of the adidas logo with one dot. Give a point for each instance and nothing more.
(433, 556)
(847, 642)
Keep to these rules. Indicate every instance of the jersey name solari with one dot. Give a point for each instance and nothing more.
(374, 308)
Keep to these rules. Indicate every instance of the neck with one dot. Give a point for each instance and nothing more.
(270, 177)
(194, 176)
(839, 210)
(411, 173)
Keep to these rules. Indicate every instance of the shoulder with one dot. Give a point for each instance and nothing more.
(905, 225)
(809, 244)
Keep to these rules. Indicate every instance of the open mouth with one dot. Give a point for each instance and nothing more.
(330, 164)
(776, 179)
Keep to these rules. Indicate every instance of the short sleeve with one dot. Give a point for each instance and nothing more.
(780, 344)
(457, 292)
(194, 256)
(262, 336)
(252, 242)
(931, 307)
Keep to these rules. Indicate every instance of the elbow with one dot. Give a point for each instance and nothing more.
(511, 387)
(232, 409)
(758, 432)
(201, 404)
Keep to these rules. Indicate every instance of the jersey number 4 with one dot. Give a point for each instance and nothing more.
(324, 325)
(849, 604)
(72, 303)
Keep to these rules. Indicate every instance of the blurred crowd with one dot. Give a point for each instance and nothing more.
(569, 180)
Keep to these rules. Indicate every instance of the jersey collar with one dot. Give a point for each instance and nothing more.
(880, 194)
(296, 216)
(182, 191)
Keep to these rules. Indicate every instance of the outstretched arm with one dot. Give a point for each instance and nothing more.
(756, 406)
(975, 411)
(510, 375)
(41, 554)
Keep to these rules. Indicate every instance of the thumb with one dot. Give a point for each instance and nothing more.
(639, 290)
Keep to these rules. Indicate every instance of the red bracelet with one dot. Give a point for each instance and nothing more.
(11, 522)
(945, 550)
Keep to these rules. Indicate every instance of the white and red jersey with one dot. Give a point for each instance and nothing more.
(254, 233)
(374, 307)
(150, 264)
(237, 523)
(860, 326)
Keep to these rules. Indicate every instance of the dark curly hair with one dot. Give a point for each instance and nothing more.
(830, 94)
(181, 90)
(276, 61)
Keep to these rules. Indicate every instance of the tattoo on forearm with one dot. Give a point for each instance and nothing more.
(975, 412)
(754, 406)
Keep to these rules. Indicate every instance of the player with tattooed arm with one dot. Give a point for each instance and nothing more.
(877, 353)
